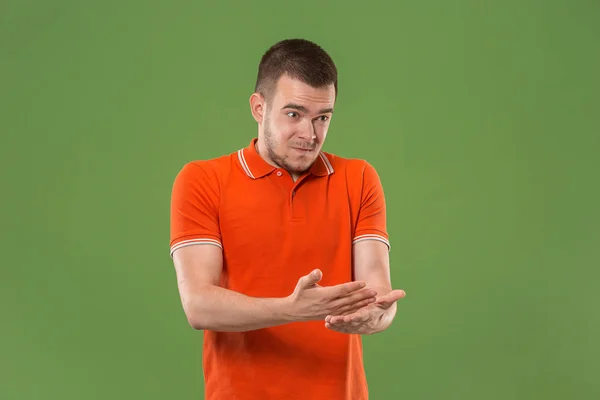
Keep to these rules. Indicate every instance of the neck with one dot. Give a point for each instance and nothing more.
(265, 156)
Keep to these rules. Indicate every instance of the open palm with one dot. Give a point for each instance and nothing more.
(367, 320)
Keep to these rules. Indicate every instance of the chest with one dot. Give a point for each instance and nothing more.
(275, 232)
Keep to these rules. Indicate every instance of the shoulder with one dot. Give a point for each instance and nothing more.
(351, 168)
(205, 177)
(213, 169)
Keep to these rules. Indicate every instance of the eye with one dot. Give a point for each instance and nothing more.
(324, 118)
(292, 114)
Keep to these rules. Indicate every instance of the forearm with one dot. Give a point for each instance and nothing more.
(218, 309)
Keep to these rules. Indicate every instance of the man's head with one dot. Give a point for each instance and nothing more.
(293, 102)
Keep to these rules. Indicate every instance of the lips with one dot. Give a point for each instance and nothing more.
(302, 149)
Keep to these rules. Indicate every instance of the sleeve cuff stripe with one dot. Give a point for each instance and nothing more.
(194, 242)
(372, 237)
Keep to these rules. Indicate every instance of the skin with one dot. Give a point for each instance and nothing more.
(292, 128)
(293, 124)
(365, 306)
(371, 264)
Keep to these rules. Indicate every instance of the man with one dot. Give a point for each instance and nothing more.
(280, 249)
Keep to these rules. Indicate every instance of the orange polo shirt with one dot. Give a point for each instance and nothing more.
(272, 231)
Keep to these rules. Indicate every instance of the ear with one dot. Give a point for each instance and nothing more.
(258, 107)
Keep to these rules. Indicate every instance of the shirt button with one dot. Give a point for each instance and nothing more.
(293, 192)
(278, 173)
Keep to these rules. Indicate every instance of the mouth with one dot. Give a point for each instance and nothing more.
(301, 150)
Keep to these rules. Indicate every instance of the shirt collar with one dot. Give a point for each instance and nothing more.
(256, 167)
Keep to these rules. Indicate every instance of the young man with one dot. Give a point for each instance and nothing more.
(281, 249)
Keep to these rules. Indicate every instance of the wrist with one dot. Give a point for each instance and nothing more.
(380, 321)
(386, 318)
(283, 309)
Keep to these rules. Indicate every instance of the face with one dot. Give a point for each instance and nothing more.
(295, 124)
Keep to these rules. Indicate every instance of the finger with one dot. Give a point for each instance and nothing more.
(332, 327)
(355, 301)
(355, 297)
(361, 295)
(359, 308)
(360, 314)
(345, 319)
(357, 322)
(311, 279)
(348, 311)
(333, 319)
(351, 308)
(341, 329)
(391, 297)
(336, 319)
(345, 288)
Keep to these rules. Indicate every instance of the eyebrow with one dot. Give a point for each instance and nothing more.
(304, 109)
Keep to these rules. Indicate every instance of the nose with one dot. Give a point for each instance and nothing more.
(309, 133)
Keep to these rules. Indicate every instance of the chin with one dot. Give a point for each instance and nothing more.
(303, 167)
(303, 162)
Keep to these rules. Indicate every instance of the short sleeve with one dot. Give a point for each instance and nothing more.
(371, 224)
(194, 209)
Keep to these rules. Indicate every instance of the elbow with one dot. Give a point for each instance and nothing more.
(198, 310)
(196, 323)
(195, 317)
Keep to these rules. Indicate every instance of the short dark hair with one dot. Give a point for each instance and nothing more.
(300, 59)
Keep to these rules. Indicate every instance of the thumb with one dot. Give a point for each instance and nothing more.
(311, 279)
(390, 298)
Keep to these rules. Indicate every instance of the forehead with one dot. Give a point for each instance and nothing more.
(289, 90)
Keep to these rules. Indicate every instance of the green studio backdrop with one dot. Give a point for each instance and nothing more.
(482, 118)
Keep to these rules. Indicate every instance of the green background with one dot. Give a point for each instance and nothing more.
(482, 118)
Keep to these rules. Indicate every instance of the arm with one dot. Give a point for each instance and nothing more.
(194, 220)
(371, 262)
(196, 249)
(208, 306)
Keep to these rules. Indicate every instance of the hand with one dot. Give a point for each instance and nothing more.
(310, 301)
(368, 320)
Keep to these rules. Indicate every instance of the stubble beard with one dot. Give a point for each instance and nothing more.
(271, 145)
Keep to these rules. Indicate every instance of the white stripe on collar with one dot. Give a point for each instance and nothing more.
(244, 163)
(328, 165)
